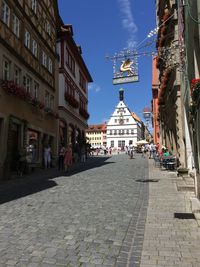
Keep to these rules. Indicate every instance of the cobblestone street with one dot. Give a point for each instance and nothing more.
(94, 217)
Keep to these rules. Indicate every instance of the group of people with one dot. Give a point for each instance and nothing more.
(65, 157)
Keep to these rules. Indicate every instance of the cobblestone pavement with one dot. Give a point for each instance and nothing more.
(95, 217)
(169, 241)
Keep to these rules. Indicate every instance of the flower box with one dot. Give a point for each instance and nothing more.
(71, 100)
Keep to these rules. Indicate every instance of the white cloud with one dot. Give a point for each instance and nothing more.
(94, 88)
(128, 22)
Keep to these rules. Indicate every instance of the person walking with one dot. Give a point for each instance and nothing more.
(68, 158)
(61, 158)
(47, 156)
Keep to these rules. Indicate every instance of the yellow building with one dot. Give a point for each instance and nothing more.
(96, 135)
(29, 80)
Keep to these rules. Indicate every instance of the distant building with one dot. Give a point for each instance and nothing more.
(124, 127)
(96, 135)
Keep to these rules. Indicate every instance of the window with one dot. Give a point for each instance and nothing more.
(47, 99)
(44, 59)
(16, 25)
(50, 66)
(51, 102)
(35, 48)
(35, 90)
(6, 69)
(82, 81)
(112, 143)
(115, 132)
(132, 131)
(17, 74)
(121, 143)
(48, 27)
(70, 62)
(110, 132)
(27, 83)
(34, 6)
(115, 120)
(27, 39)
(127, 131)
(127, 120)
(6, 14)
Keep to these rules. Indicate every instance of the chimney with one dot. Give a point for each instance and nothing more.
(121, 94)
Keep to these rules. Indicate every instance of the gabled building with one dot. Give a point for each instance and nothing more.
(29, 80)
(124, 127)
(96, 135)
(73, 88)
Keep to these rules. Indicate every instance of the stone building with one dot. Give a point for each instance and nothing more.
(189, 47)
(171, 111)
(73, 88)
(29, 80)
(123, 128)
(155, 87)
(96, 135)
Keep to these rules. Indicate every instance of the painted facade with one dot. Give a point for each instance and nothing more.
(96, 135)
(123, 129)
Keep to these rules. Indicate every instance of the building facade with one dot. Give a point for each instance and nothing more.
(171, 108)
(73, 88)
(123, 129)
(189, 43)
(96, 135)
(155, 87)
(29, 80)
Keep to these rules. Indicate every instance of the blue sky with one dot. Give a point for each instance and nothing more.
(104, 28)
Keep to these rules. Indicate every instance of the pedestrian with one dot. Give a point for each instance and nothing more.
(143, 151)
(110, 151)
(47, 156)
(83, 153)
(61, 157)
(68, 157)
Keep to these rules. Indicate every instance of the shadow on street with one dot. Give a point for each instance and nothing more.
(41, 179)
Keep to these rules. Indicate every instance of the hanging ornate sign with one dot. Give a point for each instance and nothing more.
(125, 71)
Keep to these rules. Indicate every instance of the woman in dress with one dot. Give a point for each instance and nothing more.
(68, 158)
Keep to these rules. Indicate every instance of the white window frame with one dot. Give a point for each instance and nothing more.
(34, 4)
(27, 39)
(44, 59)
(35, 90)
(5, 13)
(6, 69)
(50, 65)
(17, 75)
(28, 83)
(16, 25)
(34, 48)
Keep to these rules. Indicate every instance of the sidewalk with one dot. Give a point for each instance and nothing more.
(169, 241)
